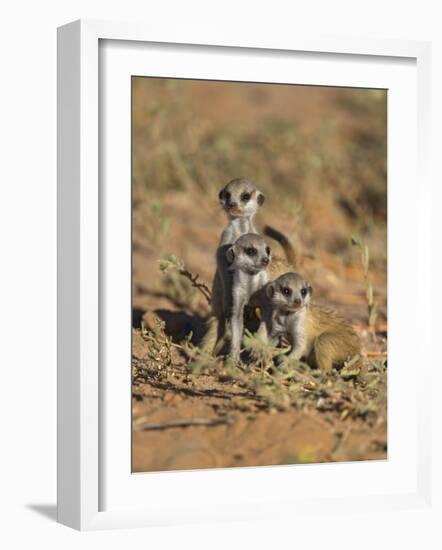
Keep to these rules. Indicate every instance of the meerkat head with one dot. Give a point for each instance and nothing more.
(250, 253)
(240, 198)
(289, 292)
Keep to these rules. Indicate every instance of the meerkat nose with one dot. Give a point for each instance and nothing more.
(265, 261)
(233, 204)
(297, 301)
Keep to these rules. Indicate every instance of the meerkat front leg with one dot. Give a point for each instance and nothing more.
(237, 325)
(263, 333)
(295, 330)
(297, 335)
(298, 348)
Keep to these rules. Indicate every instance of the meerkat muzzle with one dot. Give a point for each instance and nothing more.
(235, 210)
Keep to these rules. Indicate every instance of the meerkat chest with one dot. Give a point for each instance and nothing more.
(278, 326)
(245, 285)
(236, 229)
(293, 327)
(298, 331)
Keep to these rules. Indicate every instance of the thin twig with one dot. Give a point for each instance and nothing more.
(173, 262)
(182, 423)
(203, 288)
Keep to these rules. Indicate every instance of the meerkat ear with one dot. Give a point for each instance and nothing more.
(221, 195)
(230, 255)
(270, 290)
(260, 198)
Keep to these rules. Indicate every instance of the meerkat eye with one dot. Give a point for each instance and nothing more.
(268, 250)
(250, 251)
(286, 291)
(304, 292)
(245, 197)
(227, 195)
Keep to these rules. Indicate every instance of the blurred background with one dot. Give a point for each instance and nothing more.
(319, 154)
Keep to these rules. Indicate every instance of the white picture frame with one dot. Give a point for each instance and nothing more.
(82, 446)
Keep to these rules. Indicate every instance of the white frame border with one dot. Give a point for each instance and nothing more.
(78, 256)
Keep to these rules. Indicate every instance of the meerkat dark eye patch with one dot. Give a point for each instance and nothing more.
(286, 291)
(268, 250)
(304, 292)
(245, 197)
(250, 251)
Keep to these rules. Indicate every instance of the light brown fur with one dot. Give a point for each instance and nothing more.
(317, 334)
(331, 339)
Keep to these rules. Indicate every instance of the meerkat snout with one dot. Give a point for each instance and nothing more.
(250, 253)
(240, 198)
(289, 292)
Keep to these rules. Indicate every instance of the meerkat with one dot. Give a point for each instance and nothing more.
(247, 261)
(317, 334)
(240, 199)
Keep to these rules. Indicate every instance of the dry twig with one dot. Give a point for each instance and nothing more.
(181, 423)
(173, 262)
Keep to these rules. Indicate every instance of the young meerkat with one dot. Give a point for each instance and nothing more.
(317, 334)
(240, 199)
(247, 261)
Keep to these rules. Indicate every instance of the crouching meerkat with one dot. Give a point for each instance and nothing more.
(240, 200)
(317, 334)
(247, 261)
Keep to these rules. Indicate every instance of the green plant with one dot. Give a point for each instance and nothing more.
(371, 303)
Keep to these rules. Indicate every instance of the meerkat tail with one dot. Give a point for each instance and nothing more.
(285, 244)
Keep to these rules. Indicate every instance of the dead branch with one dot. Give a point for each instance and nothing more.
(202, 287)
(182, 423)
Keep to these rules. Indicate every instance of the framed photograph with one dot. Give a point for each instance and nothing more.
(235, 226)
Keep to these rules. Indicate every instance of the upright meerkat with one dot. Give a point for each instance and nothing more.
(247, 260)
(315, 333)
(240, 199)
